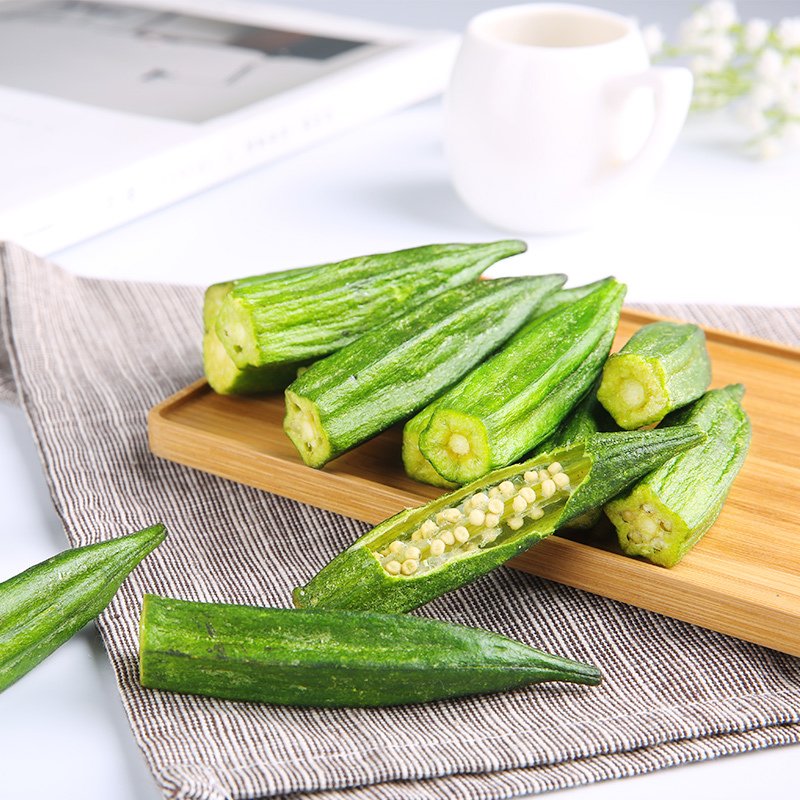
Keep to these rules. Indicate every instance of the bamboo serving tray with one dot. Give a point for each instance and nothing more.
(742, 579)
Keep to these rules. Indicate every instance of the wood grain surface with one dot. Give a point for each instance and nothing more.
(742, 579)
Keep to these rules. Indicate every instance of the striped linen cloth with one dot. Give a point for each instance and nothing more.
(87, 359)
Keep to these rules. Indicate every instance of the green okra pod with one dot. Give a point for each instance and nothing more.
(666, 513)
(422, 553)
(45, 605)
(332, 659)
(663, 367)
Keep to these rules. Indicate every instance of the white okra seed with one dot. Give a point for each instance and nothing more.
(451, 514)
(392, 567)
(496, 506)
(554, 468)
(397, 546)
(476, 517)
(413, 552)
(506, 488)
(409, 566)
(531, 477)
(417, 536)
(561, 479)
(527, 493)
(437, 547)
(447, 537)
(515, 523)
(461, 534)
(666, 525)
(492, 520)
(429, 527)
(479, 500)
(647, 508)
(536, 513)
(544, 475)
(548, 488)
(635, 537)
(648, 526)
(658, 544)
(519, 503)
(494, 492)
(627, 515)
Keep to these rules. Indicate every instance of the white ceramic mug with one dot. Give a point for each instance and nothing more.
(554, 114)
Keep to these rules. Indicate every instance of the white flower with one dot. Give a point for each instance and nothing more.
(755, 34)
(653, 39)
(722, 14)
(704, 65)
(693, 33)
(770, 64)
(769, 147)
(792, 69)
(789, 32)
(722, 49)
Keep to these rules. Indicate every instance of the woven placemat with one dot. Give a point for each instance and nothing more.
(86, 359)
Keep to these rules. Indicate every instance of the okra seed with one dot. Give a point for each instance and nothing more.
(413, 552)
(544, 475)
(409, 566)
(429, 527)
(492, 520)
(476, 517)
(447, 537)
(528, 494)
(506, 488)
(494, 492)
(458, 444)
(554, 468)
(561, 479)
(515, 523)
(451, 514)
(536, 513)
(461, 534)
(548, 488)
(396, 546)
(496, 506)
(627, 516)
(657, 544)
(636, 537)
(479, 500)
(665, 525)
(531, 477)
(648, 526)
(647, 508)
(519, 503)
(437, 547)
(393, 567)
(417, 536)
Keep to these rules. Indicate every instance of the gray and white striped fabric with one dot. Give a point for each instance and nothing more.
(87, 359)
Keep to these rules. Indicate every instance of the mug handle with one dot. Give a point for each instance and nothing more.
(672, 91)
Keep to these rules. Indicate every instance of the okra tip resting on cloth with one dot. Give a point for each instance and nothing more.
(46, 604)
(422, 553)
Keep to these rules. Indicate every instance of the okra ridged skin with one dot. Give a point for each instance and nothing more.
(46, 604)
(663, 366)
(332, 659)
(223, 376)
(669, 511)
(511, 402)
(423, 553)
(394, 370)
(302, 315)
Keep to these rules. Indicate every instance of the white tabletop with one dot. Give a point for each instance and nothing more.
(714, 227)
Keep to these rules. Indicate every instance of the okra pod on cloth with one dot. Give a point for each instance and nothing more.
(662, 367)
(668, 511)
(511, 402)
(332, 659)
(394, 370)
(301, 315)
(422, 553)
(45, 605)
